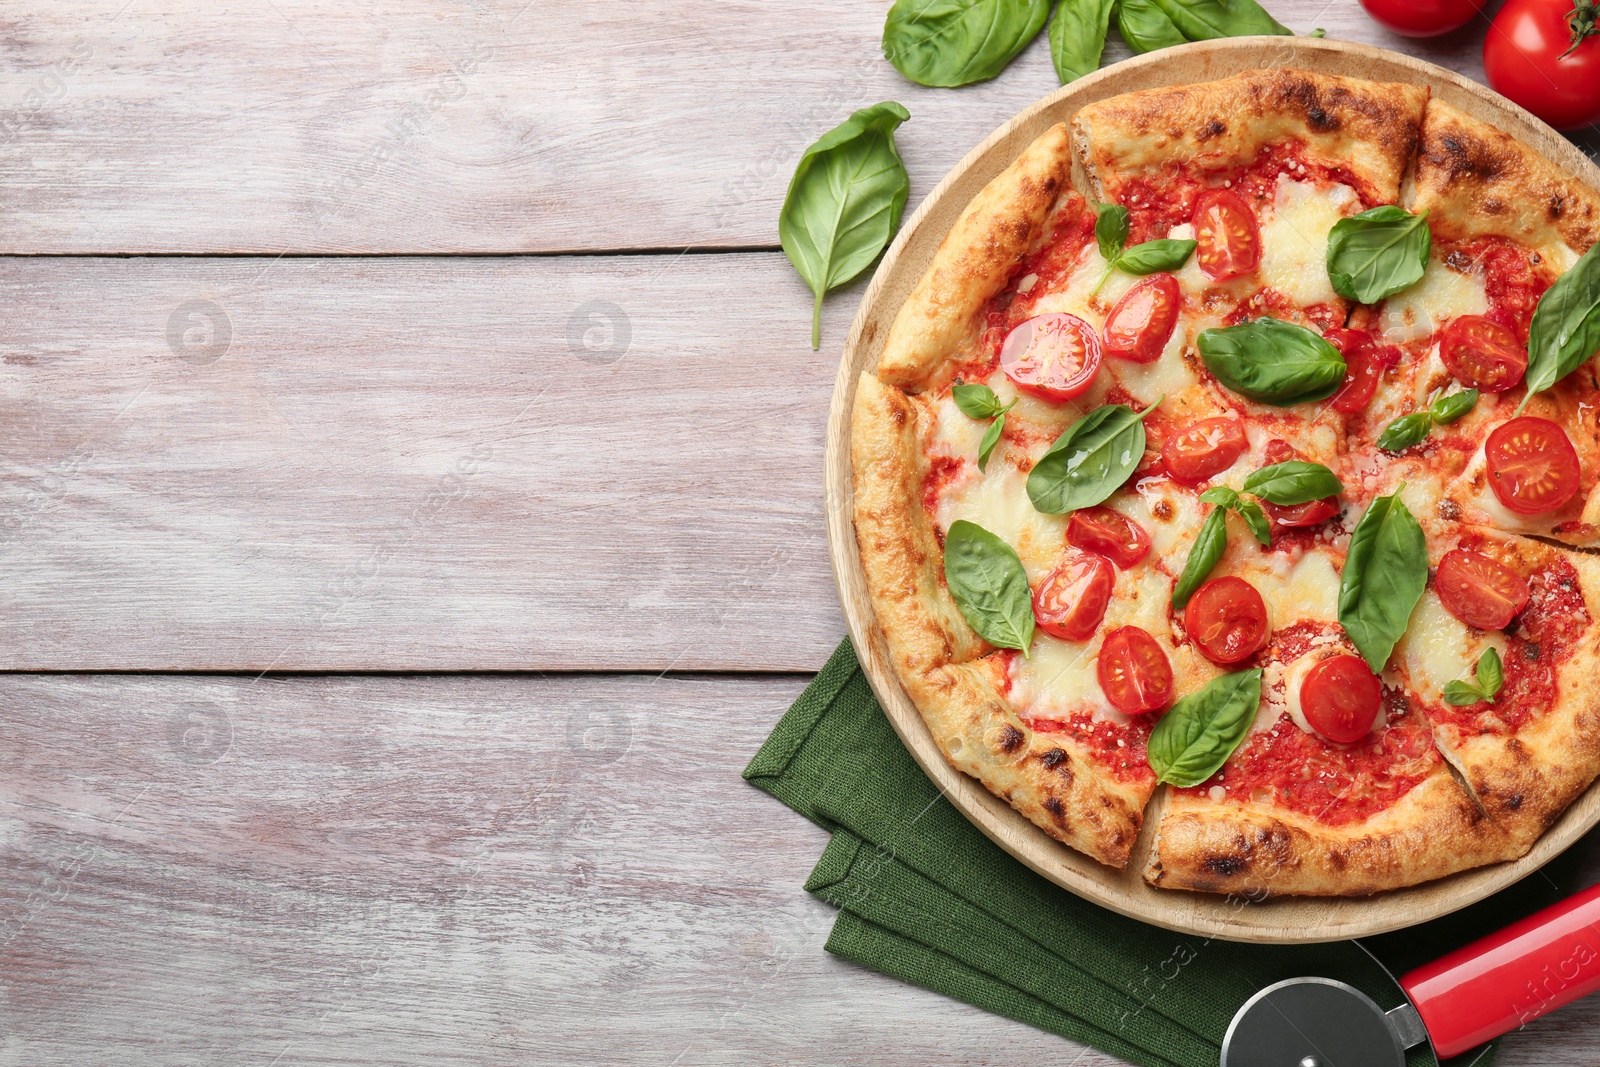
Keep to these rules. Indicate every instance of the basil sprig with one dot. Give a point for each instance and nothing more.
(1206, 20)
(844, 202)
(1089, 461)
(1248, 510)
(1414, 428)
(1385, 572)
(1273, 361)
(957, 42)
(1111, 235)
(1565, 330)
(1144, 27)
(990, 587)
(1293, 482)
(1378, 253)
(1195, 738)
(1489, 676)
(1078, 36)
(979, 402)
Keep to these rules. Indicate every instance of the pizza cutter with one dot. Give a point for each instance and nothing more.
(1491, 987)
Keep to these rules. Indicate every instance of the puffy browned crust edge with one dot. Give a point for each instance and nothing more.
(1527, 781)
(1225, 847)
(900, 555)
(1043, 776)
(995, 232)
(1477, 181)
(1369, 127)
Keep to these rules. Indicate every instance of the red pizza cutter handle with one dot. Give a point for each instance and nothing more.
(1503, 981)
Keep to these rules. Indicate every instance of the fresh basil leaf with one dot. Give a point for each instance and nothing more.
(1209, 544)
(1491, 675)
(844, 202)
(1221, 496)
(1293, 482)
(1111, 230)
(1447, 409)
(1144, 27)
(1565, 330)
(1078, 37)
(1256, 519)
(1461, 694)
(1089, 461)
(1194, 739)
(957, 42)
(991, 437)
(1385, 571)
(1206, 20)
(1405, 431)
(977, 401)
(1378, 253)
(1158, 255)
(1273, 361)
(990, 587)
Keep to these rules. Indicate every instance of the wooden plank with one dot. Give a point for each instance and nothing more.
(414, 464)
(206, 870)
(445, 127)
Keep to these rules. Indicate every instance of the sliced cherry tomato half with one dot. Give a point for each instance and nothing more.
(1110, 533)
(1362, 370)
(1482, 354)
(1340, 698)
(1141, 323)
(1229, 238)
(1295, 516)
(1227, 620)
(1533, 467)
(1478, 590)
(1134, 672)
(1204, 448)
(1071, 601)
(1053, 356)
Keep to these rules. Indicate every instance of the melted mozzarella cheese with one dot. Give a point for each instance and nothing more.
(1170, 514)
(1441, 295)
(1439, 648)
(1294, 681)
(1294, 242)
(1308, 588)
(1149, 382)
(998, 501)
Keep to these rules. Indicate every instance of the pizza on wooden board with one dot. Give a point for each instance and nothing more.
(1255, 462)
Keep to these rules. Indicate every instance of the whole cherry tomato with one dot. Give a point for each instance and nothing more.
(1545, 55)
(1340, 698)
(1422, 18)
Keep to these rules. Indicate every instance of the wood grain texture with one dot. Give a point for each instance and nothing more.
(413, 464)
(441, 871)
(496, 125)
(1282, 920)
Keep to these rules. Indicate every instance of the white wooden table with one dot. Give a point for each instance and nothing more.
(411, 522)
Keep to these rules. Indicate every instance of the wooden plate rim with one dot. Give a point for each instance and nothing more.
(1290, 920)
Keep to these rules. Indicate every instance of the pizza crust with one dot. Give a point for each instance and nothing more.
(1369, 128)
(900, 554)
(1222, 847)
(1478, 182)
(1044, 776)
(999, 228)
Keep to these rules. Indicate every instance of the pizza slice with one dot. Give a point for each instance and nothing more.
(1506, 225)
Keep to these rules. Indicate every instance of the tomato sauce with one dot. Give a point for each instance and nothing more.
(1050, 267)
(1165, 198)
(1538, 642)
(942, 470)
(1118, 747)
(1334, 784)
(1271, 302)
(1513, 278)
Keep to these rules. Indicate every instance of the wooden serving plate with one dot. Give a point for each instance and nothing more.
(1287, 920)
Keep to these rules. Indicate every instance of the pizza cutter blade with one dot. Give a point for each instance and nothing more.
(1492, 986)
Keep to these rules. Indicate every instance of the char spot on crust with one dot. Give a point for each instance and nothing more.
(1212, 129)
(897, 415)
(1053, 759)
(1054, 807)
(1010, 738)
(1514, 802)
(1225, 865)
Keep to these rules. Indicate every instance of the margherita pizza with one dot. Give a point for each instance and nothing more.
(1249, 466)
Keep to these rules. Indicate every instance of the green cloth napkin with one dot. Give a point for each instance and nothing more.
(926, 897)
